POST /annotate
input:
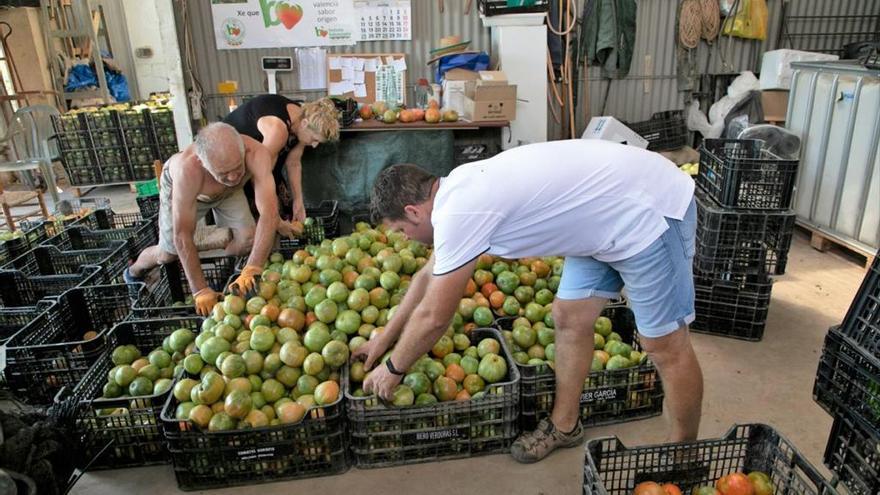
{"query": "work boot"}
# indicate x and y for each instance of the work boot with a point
(535, 445)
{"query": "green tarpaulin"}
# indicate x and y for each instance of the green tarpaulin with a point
(345, 171)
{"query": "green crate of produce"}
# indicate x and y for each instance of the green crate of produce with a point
(147, 188)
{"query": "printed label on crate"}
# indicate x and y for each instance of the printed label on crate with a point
(258, 453)
(435, 435)
(602, 394)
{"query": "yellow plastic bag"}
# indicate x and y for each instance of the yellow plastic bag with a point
(750, 20)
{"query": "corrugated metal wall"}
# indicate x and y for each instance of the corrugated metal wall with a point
(650, 87)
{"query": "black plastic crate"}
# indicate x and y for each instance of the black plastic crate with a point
(848, 380)
(73, 140)
(166, 151)
(148, 205)
(20, 290)
(4, 253)
(168, 289)
(380, 436)
(162, 117)
(740, 241)
(665, 131)
(141, 232)
(326, 226)
(103, 120)
(731, 306)
(501, 7)
(14, 319)
(81, 166)
(611, 468)
(609, 396)
(52, 350)
(853, 454)
(117, 241)
(33, 234)
(205, 460)
(131, 426)
(115, 167)
(81, 210)
(110, 255)
(862, 321)
(69, 122)
(739, 173)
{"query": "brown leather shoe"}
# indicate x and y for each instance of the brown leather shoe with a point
(535, 445)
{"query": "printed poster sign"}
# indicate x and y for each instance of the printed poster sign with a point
(283, 23)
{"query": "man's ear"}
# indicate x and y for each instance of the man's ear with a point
(303, 124)
(412, 212)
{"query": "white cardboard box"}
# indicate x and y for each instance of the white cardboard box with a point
(776, 66)
(454, 88)
(611, 129)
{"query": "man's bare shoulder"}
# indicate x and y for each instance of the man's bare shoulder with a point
(186, 169)
(257, 158)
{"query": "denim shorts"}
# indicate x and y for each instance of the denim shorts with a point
(659, 280)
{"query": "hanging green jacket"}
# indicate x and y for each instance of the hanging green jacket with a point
(609, 35)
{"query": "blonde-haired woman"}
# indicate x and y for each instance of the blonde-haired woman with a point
(286, 127)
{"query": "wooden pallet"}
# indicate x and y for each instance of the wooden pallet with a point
(822, 241)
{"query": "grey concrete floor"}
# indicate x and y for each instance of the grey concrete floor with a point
(768, 382)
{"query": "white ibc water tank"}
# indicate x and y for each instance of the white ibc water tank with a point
(835, 108)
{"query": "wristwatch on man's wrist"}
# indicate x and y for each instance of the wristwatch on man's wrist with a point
(392, 369)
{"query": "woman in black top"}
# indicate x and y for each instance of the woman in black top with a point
(286, 127)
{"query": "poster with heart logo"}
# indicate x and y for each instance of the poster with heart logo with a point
(242, 24)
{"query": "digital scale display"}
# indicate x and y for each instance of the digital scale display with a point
(277, 63)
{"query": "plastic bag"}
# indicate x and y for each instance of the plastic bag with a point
(750, 21)
(713, 127)
(697, 121)
(470, 61)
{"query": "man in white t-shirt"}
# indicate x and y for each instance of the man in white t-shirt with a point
(620, 216)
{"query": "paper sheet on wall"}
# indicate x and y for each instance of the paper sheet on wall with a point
(335, 63)
(358, 77)
(358, 64)
(388, 85)
(310, 66)
(347, 73)
(340, 88)
(360, 90)
(399, 64)
(370, 65)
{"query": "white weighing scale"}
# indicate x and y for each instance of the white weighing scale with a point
(271, 65)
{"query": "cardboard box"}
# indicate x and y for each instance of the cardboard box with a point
(775, 105)
(492, 78)
(490, 98)
(454, 88)
(776, 66)
(611, 129)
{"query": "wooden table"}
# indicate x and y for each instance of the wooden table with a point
(461, 125)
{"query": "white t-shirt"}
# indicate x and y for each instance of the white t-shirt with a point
(580, 197)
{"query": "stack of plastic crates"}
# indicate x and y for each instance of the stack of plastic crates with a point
(744, 229)
(111, 145)
(848, 387)
(58, 346)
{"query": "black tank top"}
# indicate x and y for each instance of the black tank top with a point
(245, 117)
